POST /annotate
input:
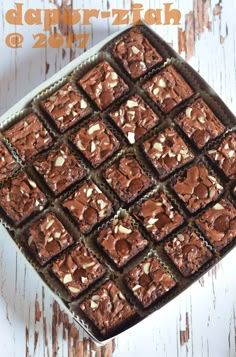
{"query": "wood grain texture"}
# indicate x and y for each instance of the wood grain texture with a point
(200, 322)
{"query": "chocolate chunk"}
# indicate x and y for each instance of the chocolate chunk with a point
(59, 168)
(103, 85)
(107, 308)
(47, 238)
(188, 252)
(134, 117)
(96, 142)
(20, 197)
(127, 178)
(197, 187)
(66, 107)
(199, 123)
(28, 137)
(167, 151)
(88, 205)
(77, 269)
(168, 88)
(149, 281)
(121, 240)
(158, 216)
(225, 155)
(218, 224)
(136, 53)
(7, 163)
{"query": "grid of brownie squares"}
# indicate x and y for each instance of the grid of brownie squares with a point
(83, 160)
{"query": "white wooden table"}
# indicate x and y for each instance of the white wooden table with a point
(202, 321)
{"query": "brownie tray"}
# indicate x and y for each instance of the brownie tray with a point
(117, 181)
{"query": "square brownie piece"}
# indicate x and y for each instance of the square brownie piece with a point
(167, 151)
(47, 238)
(149, 281)
(188, 252)
(7, 163)
(199, 123)
(103, 85)
(59, 168)
(28, 137)
(168, 88)
(158, 216)
(77, 269)
(197, 187)
(121, 240)
(20, 197)
(88, 205)
(96, 141)
(107, 308)
(218, 224)
(127, 178)
(225, 155)
(66, 107)
(134, 118)
(135, 53)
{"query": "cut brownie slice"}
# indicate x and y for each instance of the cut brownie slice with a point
(218, 224)
(47, 238)
(20, 197)
(167, 152)
(127, 178)
(59, 168)
(66, 107)
(225, 155)
(107, 308)
(96, 141)
(28, 137)
(168, 88)
(103, 85)
(77, 269)
(149, 281)
(158, 216)
(7, 163)
(188, 252)
(134, 118)
(121, 240)
(88, 205)
(197, 187)
(135, 53)
(199, 123)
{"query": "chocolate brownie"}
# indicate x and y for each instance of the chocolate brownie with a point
(28, 137)
(199, 123)
(225, 155)
(121, 240)
(158, 216)
(149, 281)
(135, 53)
(47, 238)
(218, 224)
(88, 205)
(66, 107)
(77, 269)
(96, 141)
(103, 85)
(127, 178)
(134, 118)
(168, 88)
(107, 308)
(20, 197)
(59, 168)
(167, 151)
(7, 163)
(197, 187)
(188, 252)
